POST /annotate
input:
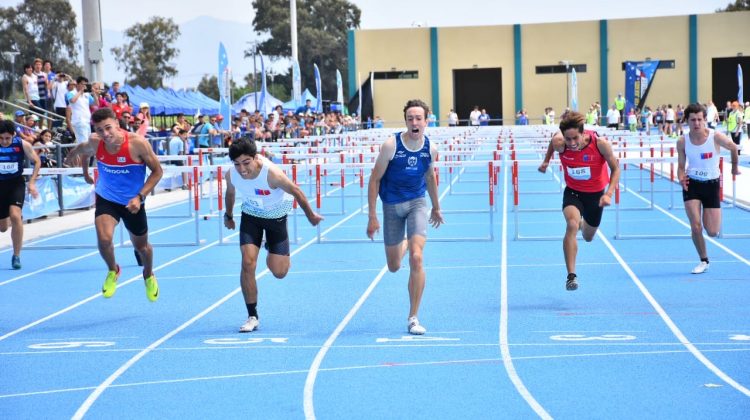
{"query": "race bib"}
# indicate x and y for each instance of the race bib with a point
(581, 174)
(697, 173)
(8, 167)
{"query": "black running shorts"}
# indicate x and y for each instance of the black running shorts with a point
(134, 223)
(586, 203)
(12, 193)
(705, 191)
(277, 238)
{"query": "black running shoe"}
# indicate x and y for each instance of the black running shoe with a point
(571, 283)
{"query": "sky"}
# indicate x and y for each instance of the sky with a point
(381, 14)
(385, 14)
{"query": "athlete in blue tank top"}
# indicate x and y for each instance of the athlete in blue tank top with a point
(12, 185)
(403, 172)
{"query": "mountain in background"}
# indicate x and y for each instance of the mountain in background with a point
(199, 49)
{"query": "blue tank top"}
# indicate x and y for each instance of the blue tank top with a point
(120, 177)
(404, 178)
(11, 159)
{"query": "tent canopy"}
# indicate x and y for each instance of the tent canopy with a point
(171, 102)
(247, 102)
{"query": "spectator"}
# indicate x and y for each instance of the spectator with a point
(22, 130)
(522, 117)
(712, 115)
(474, 116)
(59, 90)
(80, 109)
(121, 106)
(178, 146)
(144, 112)
(305, 109)
(620, 106)
(432, 119)
(452, 118)
(30, 86)
(484, 118)
(44, 139)
(379, 121)
(613, 118)
(114, 89)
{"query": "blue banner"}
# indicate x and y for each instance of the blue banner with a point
(638, 78)
(740, 93)
(225, 96)
(319, 105)
(77, 194)
(45, 203)
(265, 109)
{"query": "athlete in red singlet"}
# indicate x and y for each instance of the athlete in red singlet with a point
(584, 157)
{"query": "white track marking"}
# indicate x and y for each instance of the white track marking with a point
(504, 345)
(83, 409)
(667, 320)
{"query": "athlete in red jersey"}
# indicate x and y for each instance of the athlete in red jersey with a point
(584, 157)
(121, 190)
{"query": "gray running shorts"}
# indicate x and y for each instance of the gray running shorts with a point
(411, 215)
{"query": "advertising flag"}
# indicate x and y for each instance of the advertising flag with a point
(639, 75)
(224, 80)
(319, 105)
(740, 93)
(339, 88)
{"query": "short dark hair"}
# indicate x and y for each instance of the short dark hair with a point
(82, 79)
(7, 127)
(102, 114)
(242, 147)
(572, 119)
(417, 103)
(694, 109)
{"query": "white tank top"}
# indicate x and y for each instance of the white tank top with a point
(259, 199)
(703, 160)
(32, 86)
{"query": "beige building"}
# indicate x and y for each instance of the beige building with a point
(509, 67)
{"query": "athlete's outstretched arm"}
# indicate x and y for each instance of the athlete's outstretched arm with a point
(278, 179)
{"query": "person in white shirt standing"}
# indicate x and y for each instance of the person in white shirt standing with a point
(701, 179)
(474, 116)
(80, 109)
(613, 118)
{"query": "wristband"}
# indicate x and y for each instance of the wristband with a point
(142, 197)
(228, 216)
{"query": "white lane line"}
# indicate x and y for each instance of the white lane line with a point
(667, 320)
(708, 238)
(307, 394)
(83, 409)
(504, 345)
(98, 295)
(62, 263)
(346, 368)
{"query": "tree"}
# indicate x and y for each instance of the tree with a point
(737, 6)
(38, 28)
(146, 57)
(321, 37)
(209, 86)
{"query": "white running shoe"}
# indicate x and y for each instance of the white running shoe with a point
(701, 268)
(414, 327)
(251, 324)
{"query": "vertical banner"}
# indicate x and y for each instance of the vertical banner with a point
(296, 85)
(339, 88)
(319, 105)
(574, 90)
(740, 93)
(638, 78)
(262, 103)
(224, 80)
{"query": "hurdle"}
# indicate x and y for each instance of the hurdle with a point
(490, 210)
(122, 242)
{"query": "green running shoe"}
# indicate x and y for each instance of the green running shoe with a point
(110, 283)
(152, 288)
